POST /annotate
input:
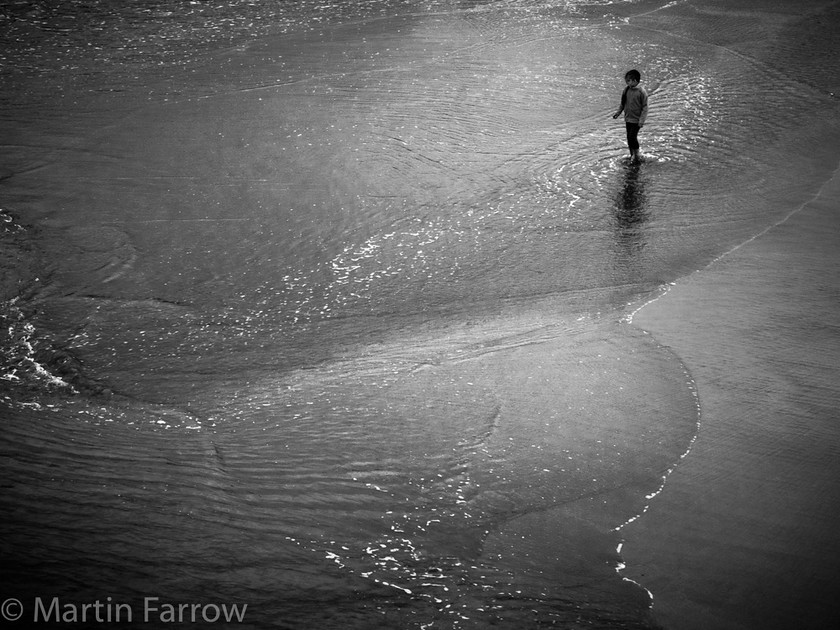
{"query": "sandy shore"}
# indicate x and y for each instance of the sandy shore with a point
(744, 534)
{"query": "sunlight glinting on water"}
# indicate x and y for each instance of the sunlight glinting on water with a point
(333, 300)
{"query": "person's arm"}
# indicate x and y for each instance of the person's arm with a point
(623, 103)
(643, 115)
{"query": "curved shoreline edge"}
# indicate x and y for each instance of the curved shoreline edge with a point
(738, 536)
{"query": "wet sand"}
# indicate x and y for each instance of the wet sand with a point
(738, 539)
(744, 533)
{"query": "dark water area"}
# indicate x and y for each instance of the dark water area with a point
(322, 308)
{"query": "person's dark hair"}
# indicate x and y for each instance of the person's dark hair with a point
(633, 74)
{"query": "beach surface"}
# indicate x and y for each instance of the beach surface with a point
(743, 535)
(356, 312)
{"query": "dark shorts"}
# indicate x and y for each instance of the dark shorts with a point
(633, 136)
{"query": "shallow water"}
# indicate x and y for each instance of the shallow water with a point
(341, 293)
(753, 510)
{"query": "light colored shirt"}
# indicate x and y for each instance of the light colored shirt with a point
(635, 105)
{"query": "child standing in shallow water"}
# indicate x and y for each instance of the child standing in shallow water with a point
(634, 104)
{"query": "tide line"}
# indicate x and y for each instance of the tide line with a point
(204, 220)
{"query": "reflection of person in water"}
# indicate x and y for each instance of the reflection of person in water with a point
(630, 208)
(631, 202)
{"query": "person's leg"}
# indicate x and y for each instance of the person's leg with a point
(633, 138)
